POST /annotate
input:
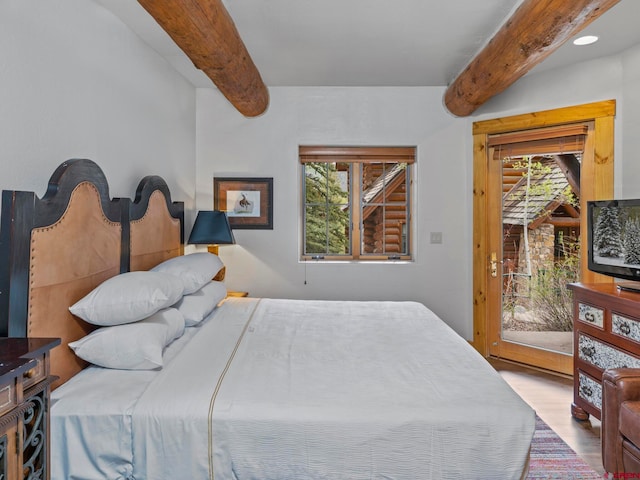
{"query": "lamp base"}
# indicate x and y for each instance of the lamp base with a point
(220, 275)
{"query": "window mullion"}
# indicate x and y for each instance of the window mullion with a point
(327, 207)
(356, 210)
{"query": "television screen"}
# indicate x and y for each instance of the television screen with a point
(614, 238)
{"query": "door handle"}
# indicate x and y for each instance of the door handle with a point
(494, 264)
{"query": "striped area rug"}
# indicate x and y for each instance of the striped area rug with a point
(552, 458)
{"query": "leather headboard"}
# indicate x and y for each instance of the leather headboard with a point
(55, 250)
(68, 260)
(155, 224)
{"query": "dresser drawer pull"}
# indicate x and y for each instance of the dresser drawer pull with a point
(586, 390)
(589, 317)
(588, 351)
(625, 328)
(29, 373)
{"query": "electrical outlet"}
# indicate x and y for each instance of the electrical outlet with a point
(436, 237)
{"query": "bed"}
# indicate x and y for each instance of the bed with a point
(259, 388)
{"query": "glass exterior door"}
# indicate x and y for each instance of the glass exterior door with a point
(540, 252)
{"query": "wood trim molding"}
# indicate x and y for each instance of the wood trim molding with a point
(205, 32)
(480, 244)
(535, 30)
(546, 118)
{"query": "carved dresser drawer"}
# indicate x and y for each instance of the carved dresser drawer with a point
(606, 326)
(590, 390)
(8, 396)
(590, 314)
(626, 327)
(24, 400)
(35, 374)
(603, 355)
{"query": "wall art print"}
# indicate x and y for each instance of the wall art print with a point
(248, 201)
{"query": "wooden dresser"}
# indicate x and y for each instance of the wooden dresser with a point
(606, 328)
(24, 407)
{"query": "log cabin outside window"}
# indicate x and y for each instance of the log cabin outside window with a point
(356, 202)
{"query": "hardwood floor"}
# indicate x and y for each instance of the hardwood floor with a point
(551, 396)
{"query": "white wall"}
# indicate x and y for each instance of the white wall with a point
(76, 82)
(266, 262)
(629, 129)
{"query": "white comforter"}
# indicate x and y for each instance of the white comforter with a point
(286, 389)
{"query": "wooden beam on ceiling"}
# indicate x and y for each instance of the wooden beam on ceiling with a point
(535, 30)
(205, 32)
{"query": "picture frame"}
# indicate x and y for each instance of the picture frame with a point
(248, 201)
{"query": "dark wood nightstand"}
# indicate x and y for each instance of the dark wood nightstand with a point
(24, 407)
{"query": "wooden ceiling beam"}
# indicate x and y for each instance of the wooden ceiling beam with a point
(205, 32)
(535, 30)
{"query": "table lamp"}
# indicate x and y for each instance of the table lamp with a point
(211, 228)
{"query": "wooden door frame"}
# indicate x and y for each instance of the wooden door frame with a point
(596, 183)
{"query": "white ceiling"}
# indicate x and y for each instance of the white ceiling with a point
(373, 42)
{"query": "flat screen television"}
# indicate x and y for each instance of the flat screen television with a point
(613, 229)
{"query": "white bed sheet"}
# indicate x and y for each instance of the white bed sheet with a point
(91, 437)
(308, 390)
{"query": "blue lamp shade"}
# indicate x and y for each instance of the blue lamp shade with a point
(211, 227)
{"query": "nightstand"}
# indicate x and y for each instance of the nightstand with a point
(237, 294)
(24, 407)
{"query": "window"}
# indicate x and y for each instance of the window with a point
(356, 202)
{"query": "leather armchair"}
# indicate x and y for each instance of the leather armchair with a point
(620, 429)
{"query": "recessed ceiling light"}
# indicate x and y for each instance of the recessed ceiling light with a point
(586, 40)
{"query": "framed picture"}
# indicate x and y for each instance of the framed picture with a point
(247, 201)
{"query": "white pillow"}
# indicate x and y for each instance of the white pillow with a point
(133, 346)
(195, 269)
(128, 297)
(198, 305)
